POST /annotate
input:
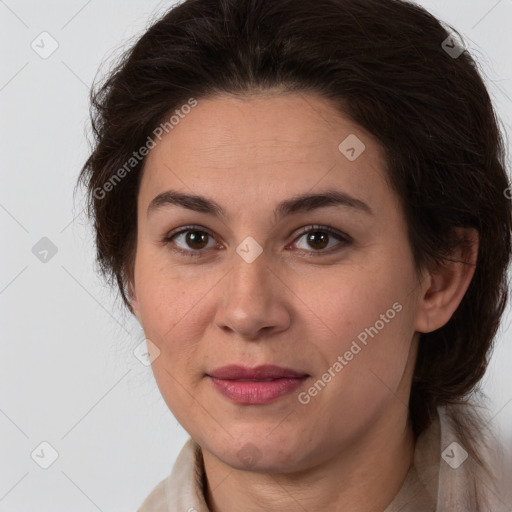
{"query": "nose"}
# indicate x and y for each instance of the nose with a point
(255, 300)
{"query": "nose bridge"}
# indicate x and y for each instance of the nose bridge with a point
(250, 299)
(249, 278)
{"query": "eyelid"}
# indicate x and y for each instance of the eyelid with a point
(319, 227)
(192, 227)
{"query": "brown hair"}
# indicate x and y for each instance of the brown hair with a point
(385, 64)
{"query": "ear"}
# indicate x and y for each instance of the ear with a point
(445, 285)
(132, 297)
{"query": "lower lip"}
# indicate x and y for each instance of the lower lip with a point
(256, 392)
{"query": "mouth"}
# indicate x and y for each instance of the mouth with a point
(255, 386)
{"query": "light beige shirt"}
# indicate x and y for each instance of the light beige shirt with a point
(441, 478)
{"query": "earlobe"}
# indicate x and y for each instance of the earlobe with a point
(447, 283)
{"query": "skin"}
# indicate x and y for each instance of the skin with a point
(292, 306)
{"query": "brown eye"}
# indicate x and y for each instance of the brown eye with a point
(189, 240)
(196, 239)
(318, 238)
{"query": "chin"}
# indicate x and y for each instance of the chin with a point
(260, 454)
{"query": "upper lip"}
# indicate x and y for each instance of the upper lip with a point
(267, 371)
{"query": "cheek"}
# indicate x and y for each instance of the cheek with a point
(347, 300)
(163, 290)
(173, 302)
(370, 318)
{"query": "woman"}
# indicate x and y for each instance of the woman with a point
(304, 204)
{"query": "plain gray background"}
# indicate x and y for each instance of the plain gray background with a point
(69, 375)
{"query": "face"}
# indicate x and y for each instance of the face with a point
(324, 286)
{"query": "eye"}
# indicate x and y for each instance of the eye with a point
(318, 237)
(193, 238)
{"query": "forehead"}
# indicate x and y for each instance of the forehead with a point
(282, 143)
(294, 124)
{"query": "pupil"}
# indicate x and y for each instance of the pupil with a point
(323, 236)
(194, 239)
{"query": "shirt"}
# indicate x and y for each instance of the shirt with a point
(442, 478)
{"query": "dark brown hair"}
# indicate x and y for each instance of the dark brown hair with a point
(387, 65)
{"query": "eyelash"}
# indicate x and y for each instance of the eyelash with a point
(344, 239)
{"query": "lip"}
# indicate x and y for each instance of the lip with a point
(257, 386)
(266, 371)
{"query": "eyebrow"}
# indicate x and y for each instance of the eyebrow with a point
(296, 204)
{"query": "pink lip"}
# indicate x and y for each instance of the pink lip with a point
(249, 385)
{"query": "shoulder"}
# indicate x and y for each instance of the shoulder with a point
(156, 501)
(183, 488)
(473, 465)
